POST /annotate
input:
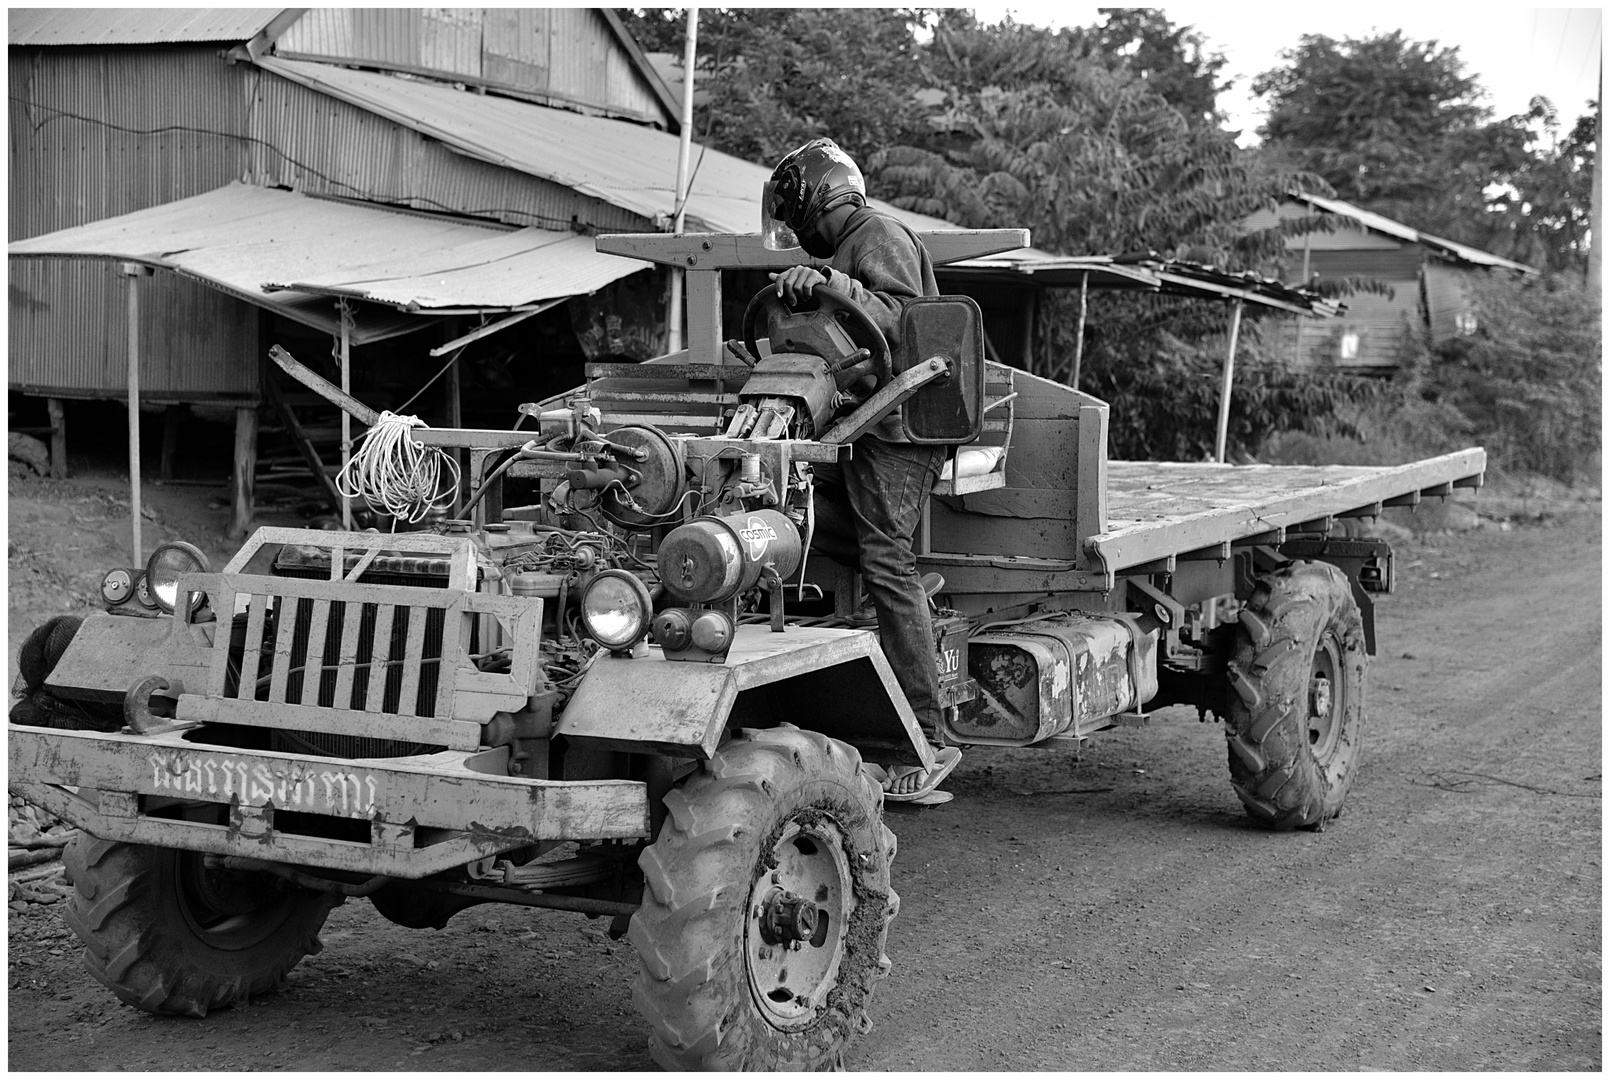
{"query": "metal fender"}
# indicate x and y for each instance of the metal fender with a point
(110, 653)
(822, 679)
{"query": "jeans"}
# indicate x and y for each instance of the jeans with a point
(867, 524)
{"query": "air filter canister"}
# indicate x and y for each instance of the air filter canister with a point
(711, 559)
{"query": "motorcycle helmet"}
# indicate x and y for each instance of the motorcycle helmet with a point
(806, 184)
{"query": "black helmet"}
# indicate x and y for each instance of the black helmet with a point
(811, 181)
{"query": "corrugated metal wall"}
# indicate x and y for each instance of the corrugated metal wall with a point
(94, 134)
(568, 52)
(323, 146)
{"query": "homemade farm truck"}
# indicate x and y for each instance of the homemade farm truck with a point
(639, 697)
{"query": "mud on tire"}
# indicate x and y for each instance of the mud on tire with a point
(773, 810)
(169, 936)
(1297, 703)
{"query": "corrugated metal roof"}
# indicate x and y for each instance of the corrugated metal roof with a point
(252, 241)
(1388, 227)
(1149, 274)
(133, 26)
(626, 165)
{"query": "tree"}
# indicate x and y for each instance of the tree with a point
(1168, 58)
(1369, 114)
(777, 77)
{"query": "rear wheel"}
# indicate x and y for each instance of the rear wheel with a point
(766, 907)
(168, 934)
(1296, 720)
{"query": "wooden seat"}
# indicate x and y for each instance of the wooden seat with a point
(387, 662)
(995, 439)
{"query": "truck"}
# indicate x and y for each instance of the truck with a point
(639, 696)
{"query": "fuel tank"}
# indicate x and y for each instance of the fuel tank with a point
(711, 559)
(1062, 674)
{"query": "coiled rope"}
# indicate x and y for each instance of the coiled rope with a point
(397, 474)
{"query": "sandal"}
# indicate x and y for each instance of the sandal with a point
(945, 761)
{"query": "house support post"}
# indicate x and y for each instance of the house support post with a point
(242, 492)
(58, 438)
(1224, 386)
(135, 272)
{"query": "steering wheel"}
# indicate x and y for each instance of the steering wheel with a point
(767, 307)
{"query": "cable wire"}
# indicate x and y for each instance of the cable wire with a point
(397, 474)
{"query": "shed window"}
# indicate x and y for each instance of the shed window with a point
(1465, 322)
(1350, 345)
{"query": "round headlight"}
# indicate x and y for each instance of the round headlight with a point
(616, 609)
(166, 564)
(116, 586)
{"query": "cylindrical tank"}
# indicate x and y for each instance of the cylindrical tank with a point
(711, 559)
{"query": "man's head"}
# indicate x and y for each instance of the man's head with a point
(809, 183)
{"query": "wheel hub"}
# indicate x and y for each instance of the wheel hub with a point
(788, 918)
(799, 910)
(1326, 699)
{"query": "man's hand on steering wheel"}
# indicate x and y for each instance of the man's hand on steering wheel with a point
(797, 282)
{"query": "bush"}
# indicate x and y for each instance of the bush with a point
(1158, 362)
(1529, 381)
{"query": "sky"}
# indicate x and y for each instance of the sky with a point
(1515, 52)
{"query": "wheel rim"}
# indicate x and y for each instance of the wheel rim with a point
(1327, 698)
(799, 910)
(227, 909)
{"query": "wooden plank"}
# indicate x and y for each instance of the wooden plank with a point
(413, 651)
(704, 314)
(284, 633)
(313, 664)
(347, 655)
(375, 688)
(224, 605)
(728, 251)
(1090, 502)
(734, 375)
(453, 734)
(252, 654)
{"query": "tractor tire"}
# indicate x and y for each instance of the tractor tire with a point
(735, 974)
(169, 936)
(1296, 710)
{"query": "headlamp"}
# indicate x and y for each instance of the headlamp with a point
(167, 563)
(616, 609)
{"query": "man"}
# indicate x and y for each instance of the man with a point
(880, 264)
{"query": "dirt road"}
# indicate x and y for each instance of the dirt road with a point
(1101, 911)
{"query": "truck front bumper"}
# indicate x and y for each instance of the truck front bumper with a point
(423, 814)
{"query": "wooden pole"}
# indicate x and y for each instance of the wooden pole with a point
(135, 272)
(1031, 298)
(242, 494)
(346, 388)
(1079, 335)
(1297, 358)
(673, 314)
(58, 438)
(1224, 387)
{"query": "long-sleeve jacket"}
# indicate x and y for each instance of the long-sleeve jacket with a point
(881, 264)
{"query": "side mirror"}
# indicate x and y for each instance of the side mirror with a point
(949, 411)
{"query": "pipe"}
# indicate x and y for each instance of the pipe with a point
(1224, 387)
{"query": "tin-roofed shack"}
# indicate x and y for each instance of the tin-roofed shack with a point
(1424, 275)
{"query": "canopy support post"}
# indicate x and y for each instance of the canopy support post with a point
(1079, 334)
(346, 421)
(1224, 386)
(135, 271)
(684, 150)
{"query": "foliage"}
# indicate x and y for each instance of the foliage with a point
(777, 77)
(1163, 382)
(1394, 126)
(1529, 382)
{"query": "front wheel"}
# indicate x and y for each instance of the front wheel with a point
(766, 907)
(1296, 716)
(168, 934)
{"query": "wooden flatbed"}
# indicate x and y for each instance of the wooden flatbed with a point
(1161, 509)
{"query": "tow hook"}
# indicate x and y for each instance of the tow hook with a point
(137, 712)
(786, 918)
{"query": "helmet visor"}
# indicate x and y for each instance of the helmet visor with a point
(775, 233)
